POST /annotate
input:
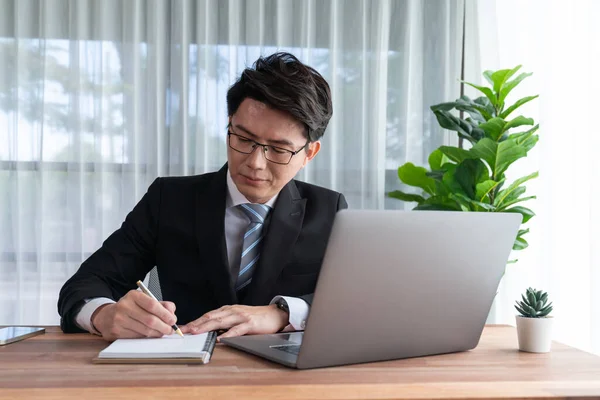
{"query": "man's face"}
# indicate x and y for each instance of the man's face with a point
(255, 177)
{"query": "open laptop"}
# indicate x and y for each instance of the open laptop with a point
(397, 284)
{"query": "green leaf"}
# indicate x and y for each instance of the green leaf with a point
(476, 132)
(462, 104)
(521, 311)
(416, 176)
(506, 89)
(500, 199)
(485, 107)
(525, 212)
(529, 143)
(523, 136)
(546, 312)
(469, 173)
(526, 139)
(488, 76)
(437, 175)
(548, 307)
(499, 156)
(466, 130)
(486, 149)
(510, 203)
(483, 189)
(485, 90)
(523, 232)
(441, 189)
(479, 111)
(531, 298)
(512, 261)
(438, 203)
(530, 310)
(519, 121)
(435, 159)
(508, 193)
(455, 154)
(449, 180)
(471, 204)
(520, 244)
(508, 153)
(397, 194)
(517, 104)
(501, 76)
(493, 128)
(463, 201)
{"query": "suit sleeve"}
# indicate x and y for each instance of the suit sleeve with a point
(342, 204)
(126, 255)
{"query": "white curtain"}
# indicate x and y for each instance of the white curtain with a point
(559, 42)
(97, 98)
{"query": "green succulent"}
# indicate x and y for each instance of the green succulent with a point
(534, 304)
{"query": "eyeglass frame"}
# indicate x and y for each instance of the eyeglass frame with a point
(264, 146)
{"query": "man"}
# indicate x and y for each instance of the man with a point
(237, 250)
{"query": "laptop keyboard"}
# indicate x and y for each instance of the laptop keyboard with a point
(288, 348)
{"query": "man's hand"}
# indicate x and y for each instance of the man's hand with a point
(240, 320)
(135, 315)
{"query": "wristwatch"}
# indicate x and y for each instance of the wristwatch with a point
(282, 305)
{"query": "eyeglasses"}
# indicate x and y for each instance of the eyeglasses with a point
(274, 154)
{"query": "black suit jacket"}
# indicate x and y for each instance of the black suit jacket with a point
(178, 226)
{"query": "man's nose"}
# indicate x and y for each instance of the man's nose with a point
(257, 159)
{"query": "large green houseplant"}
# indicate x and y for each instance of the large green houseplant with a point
(473, 179)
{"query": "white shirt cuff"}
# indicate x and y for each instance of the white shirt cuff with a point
(84, 316)
(299, 310)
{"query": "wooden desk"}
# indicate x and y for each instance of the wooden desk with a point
(58, 366)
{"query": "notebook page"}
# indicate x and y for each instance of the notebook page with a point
(169, 346)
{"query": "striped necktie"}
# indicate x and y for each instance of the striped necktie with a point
(257, 213)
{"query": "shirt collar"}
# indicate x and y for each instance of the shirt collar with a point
(235, 197)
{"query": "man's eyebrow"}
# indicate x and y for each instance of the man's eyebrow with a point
(283, 142)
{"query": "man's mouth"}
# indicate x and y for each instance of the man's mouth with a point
(252, 179)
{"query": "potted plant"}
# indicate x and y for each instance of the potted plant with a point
(534, 326)
(473, 179)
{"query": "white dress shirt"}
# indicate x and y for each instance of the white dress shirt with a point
(236, 223)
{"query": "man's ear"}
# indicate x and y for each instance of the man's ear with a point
(311, 152)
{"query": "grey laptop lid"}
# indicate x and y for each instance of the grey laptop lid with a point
(398, 284)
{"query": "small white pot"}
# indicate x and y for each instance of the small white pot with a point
(535, 334)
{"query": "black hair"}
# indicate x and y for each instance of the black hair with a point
(284, 83)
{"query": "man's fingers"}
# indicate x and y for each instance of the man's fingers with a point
(218, 323)
(148, 319)
(169, 305)
(141, 329)
(237, 330)
(185, 328)
(215, 320)
(121, 333)
(154, 307)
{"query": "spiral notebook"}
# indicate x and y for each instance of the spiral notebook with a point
(170, 349)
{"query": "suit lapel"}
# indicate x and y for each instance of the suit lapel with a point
(283, 231)
(210, 231)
